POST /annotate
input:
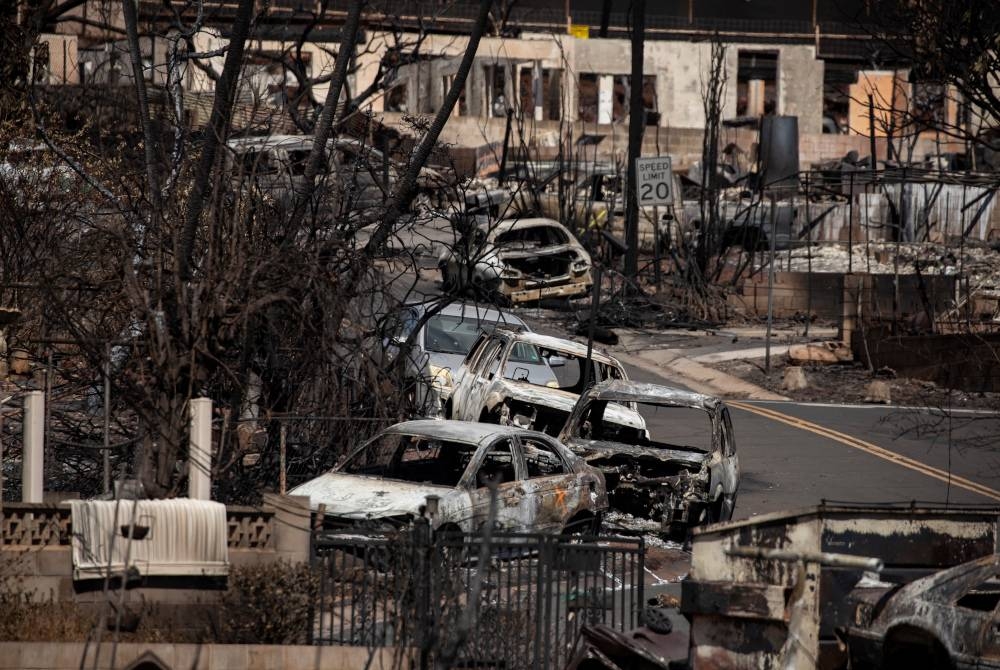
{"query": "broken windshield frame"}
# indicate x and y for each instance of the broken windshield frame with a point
(570, 374)
(691, 428)
(411, 458)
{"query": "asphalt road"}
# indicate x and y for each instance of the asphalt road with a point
(796, 455)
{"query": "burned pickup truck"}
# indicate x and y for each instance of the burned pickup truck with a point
(687, 477)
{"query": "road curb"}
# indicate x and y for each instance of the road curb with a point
(700, 378)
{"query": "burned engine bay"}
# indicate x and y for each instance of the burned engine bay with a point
(648, 487)
(685, 476)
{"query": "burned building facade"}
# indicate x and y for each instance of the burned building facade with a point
(553, 66)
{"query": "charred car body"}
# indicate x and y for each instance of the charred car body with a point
(503, 380)
(518, 260)
(439, 346)
(688, 479)
(949, 619)
(383, 485)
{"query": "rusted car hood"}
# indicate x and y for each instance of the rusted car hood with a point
(596, 449)
(562, 400)
(360, 497)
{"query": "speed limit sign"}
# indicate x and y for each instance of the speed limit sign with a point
(654, 181)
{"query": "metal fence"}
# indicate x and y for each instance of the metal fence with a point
(415, 591)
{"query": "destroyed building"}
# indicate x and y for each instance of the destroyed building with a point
(557, 68)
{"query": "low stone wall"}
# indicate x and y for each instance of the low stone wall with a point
(35, 542)
(75, 655)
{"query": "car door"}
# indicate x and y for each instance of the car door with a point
(551, 487)
(466, 374)
(727, 470)
(497, 462)
(485, 372)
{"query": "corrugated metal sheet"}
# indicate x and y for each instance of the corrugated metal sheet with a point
(184, 537)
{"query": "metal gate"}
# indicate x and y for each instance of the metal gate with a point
(414, 590)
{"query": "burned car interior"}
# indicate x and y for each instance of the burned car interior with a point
(570, 370)
(411, 458)
(596, 427)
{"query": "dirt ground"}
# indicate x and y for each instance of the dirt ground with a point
(846, 384)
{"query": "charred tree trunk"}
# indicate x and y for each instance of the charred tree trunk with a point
(324, 127)
(636, 124)
(149, 139)
(708, 200)
(400, 200)
(218, 128)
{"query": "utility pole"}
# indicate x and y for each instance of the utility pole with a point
(636, 122)
(605, 18)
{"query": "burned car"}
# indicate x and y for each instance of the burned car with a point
(518, 260)
(541, 485)
(950, 619)
(440, 345)
(530, 380)
(685, 476)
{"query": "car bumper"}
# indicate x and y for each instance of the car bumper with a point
(539, 292)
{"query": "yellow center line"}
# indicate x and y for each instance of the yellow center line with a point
(870, 448)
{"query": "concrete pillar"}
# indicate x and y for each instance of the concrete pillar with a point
(33, 459)
(755, 97)
(538, 90)
(200, 450)
(605, 98)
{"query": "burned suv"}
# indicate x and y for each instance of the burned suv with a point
(518, 260)
(530, 380)
(686, 477)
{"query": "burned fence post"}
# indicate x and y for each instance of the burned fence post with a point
(595, 306)
(770, 289)
(282, 458)
(809, 265)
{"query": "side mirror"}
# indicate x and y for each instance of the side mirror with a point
(556, 361)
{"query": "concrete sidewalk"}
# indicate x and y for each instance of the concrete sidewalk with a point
(684, 356)
(674, 364)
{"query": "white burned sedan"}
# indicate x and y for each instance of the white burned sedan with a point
(541, 485)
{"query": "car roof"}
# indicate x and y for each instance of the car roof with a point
(549, 342)
(458, 431)
(476, 311)
(619, 390)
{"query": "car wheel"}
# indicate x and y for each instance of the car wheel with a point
(913, 649)
(582, 524)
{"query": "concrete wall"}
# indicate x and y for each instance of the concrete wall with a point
(75, 655)
(874, 293)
